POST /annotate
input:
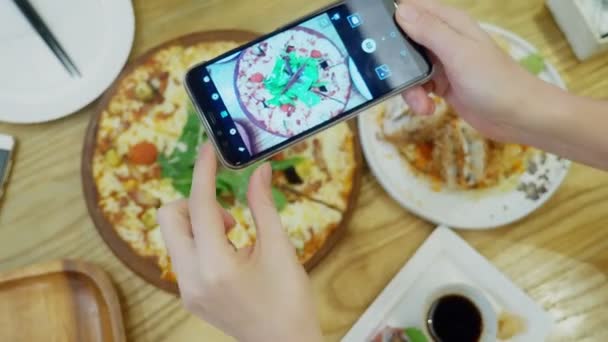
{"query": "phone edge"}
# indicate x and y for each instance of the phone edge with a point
(266, 156)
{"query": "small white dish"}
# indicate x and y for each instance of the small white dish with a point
(465, 209)
(34, 86)
(445, 259)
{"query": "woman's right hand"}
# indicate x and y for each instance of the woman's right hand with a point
(485, 86)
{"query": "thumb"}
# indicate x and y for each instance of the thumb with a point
(270, 232)
(427, 29)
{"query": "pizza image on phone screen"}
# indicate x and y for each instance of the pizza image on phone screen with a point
(288, 84)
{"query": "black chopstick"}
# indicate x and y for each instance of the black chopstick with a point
(38, 24)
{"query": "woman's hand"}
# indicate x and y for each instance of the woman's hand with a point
(490, 91)
(483, 84)
(256, 294)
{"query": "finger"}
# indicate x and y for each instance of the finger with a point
(440, 80)
(270, 233)
(176, 230)
(428, 29)
(245, 252)
(457, 19)
(419, 101)
(229, 220)
(429, 87)
(205, 213)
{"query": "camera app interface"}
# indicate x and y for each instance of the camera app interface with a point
(278, 89)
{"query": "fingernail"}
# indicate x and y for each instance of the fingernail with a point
(408, 13)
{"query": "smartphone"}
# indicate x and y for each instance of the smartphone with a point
(275, 91)
(7, 144)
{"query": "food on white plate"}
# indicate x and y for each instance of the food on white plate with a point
(448, 151)
(510, 325)
(389, 334)
(147, 140)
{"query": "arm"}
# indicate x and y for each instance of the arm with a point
(570, 126)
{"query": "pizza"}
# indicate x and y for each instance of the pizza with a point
(324, 173)
(284, 83)
(144, 145)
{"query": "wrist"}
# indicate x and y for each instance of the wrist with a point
(567, 125)
(545, 111)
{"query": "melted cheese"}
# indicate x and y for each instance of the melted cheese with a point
(302, 220)
(109, 184)
(161, 189)
(156, 242)
(337, 150)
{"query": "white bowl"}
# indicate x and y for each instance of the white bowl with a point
(464, 209)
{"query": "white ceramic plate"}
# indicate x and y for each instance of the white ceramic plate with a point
(483, 209)
(443, 260)
(34, 86)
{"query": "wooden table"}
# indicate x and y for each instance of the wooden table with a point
(559, 255)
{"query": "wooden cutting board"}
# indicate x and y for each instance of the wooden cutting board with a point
(59, 301)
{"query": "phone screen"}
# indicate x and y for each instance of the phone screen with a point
(284, 86)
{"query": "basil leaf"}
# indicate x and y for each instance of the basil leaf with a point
(183, 187)
(282, 165)
(222, 188)
(238, 182)
(280, 200)
(179, 166)
(292, 78)
(534, 63)
(415, 335)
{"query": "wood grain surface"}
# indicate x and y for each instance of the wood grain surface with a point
(559, 255)
(65, 300)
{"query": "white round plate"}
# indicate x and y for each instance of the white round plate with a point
(483, 209)
(34, 86)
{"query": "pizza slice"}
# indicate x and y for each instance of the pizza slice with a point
(308, 225)
(325, 169)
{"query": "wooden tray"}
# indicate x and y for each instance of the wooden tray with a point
(59, 301)
(146, 267)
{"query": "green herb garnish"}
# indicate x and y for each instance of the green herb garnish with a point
(534, 63)
(293, 78)
(236, 183)
(282, 165)
(415, 335)
(179, 167)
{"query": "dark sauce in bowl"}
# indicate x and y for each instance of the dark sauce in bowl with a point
(454, 318)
